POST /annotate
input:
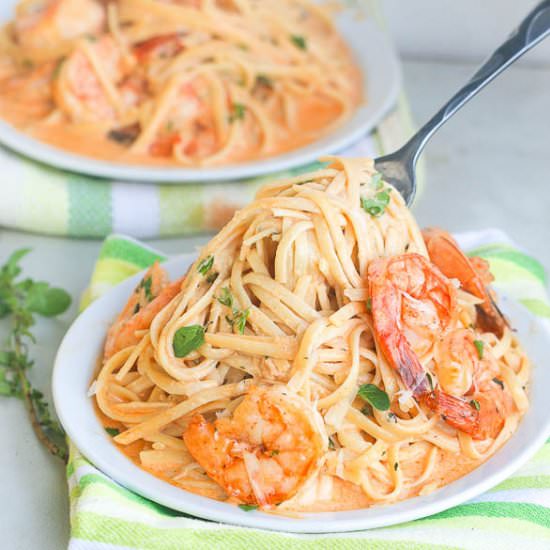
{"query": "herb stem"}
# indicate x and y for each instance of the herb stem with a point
(39, 431)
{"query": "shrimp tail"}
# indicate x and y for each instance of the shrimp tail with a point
(490, 318)
(455, 411)
(473, 274)
(409, 368)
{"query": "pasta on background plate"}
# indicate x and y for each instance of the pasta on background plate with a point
(176, 82)
(321, 354)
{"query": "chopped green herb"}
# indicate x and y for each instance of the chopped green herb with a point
(113, 432)
(392, 417)
(146, 285)
(475, 404)
(299, 41)
(264, 80)
(369, 304)
(274, 452)
(237, 112)
(239, 320)
(212, 276)
(367, 410)
(205, 265)
(375, 396)
(331, 445)
(248, 507)
(430, 380)
(376, 181)
(499, 382)
(396, 466)
(225, 298)
(188, 339)
(376, 206)
(479, 344)
(137, 307)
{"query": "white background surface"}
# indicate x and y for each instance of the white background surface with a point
(490, 166)
(457, 29)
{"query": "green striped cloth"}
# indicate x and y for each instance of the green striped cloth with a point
(513, 515)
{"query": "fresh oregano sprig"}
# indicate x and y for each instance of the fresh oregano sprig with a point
(21, 299)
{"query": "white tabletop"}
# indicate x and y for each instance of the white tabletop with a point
(489, 167)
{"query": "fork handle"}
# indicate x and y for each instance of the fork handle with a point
(534, 28)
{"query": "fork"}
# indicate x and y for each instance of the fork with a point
(398, 168)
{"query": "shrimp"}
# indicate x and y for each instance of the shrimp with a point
(46, 29)
(462, 372)
(189, 125)
(80, 92)
(413, 303)
(266, 452)
(473, 274)
(150, 296)
(411, 300)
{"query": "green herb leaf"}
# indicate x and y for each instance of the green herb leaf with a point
(47, 301)
(331, 445)
(239, 320)
(499, 382)
(248, 507)
(475, 404)
(205, 265)
(369, 304)
(396, 466)
(11, 267)
(274, 452)
(188, 339)
(212, 276)
(430, 380)
(299, 41)
(375, 396)
(377, 205)
(146, 285)
(225, 298)
(238, 111)
(479, 344)
(113, 432)
(264, 80)
(367, 410)
(376, 181)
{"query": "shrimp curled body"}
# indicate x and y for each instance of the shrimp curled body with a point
(265, 452)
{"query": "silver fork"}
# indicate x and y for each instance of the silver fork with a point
(398, 168)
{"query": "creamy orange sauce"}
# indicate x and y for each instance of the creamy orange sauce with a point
(345, 495)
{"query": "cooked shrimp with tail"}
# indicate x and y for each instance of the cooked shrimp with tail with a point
(414, 310)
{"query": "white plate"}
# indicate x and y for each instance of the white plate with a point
(83, 343)
(381, 80)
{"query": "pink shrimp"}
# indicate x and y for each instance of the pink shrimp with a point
(150, 296)
(414, 304)
(46, 29)
(411, 301)
(263, 454)
(473, 274)
(78, 89)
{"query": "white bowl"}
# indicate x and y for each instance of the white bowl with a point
(75, 364)
(381, 80)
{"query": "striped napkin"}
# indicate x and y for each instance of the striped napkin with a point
(513, 515)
